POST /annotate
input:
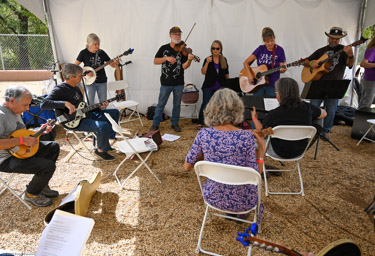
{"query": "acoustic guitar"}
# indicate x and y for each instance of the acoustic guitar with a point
(91, 79)
(71, 121)
(342, 247)
(308, 73)
(23, 151)
(260, 74)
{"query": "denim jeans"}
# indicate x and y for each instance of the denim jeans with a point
(207, 95)
(368, 94)
(330, 107)
(101, 88)
(42, 165)
(266, 90)
(165, 91)
(98, 123)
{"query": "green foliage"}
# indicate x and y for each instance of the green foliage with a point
(15, 19)
(368, 33)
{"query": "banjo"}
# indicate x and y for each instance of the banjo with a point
(86, 70)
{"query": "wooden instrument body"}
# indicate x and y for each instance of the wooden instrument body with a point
(245, 85)
(308, 74)
(24, 151)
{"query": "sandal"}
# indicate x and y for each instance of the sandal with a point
(199, 126)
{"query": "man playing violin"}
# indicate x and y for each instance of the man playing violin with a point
(173, 63)
(42, 164)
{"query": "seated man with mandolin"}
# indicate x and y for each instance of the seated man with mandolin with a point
(14, 138)
(328, 63)
(67, 100)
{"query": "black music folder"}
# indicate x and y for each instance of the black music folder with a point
(325, 89)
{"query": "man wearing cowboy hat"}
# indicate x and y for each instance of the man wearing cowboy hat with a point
(336, 71)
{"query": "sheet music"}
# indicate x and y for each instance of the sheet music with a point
(66, 234)
(170, 137)
(270, 103)
(70, 197)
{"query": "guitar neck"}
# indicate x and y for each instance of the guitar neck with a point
(97, 105)
(274, 247)
(41, 130)
(268, 72)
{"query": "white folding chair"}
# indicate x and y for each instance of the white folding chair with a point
(131, 147)
(5, 185)
(86, 140)
(231, 175)
(289, 133)
(371, 122)
(127, 105)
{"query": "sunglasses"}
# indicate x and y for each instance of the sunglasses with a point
(217, 49)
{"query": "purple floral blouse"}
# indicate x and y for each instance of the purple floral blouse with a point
(227, 147)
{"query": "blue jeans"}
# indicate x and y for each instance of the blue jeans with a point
(207, 94)
(368, 93)
(330, 107)
(165, 91)
(266, 90)
(96, 122)
(101, 88)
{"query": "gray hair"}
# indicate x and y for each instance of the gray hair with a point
(16, 92)
(225, 106)
(92, 38)
(288, 91)
(71, 69)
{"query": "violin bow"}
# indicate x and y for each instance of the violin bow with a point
(190, 32)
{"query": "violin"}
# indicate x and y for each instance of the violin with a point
(181, 47)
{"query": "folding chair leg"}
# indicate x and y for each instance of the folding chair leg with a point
(19, 196)
(78, 147)
(364, 136)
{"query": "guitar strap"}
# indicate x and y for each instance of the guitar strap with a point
(273, 56)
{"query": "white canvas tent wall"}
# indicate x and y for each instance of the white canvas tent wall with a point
(299, 26)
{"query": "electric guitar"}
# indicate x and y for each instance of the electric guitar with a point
(71, 121)
(308, 73)
(91, 79)
(260, 74)
(22, 151)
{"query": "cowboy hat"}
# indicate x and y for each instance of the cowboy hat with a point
(336, 33)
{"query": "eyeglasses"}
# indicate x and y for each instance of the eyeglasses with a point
(217, 49)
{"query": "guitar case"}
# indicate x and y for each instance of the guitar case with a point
(342, 247)
(82, 195)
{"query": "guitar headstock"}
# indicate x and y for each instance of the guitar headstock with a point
(129, 51)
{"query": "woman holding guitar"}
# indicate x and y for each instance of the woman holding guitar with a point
(94, 57)
(215, 69)
(270, 55)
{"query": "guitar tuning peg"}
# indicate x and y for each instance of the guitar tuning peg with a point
(276, 249)
(269, 248)
(262, 245)
(256, 243)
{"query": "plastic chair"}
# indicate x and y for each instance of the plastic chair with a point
(5, 185)
(231, 175)
(132, 147)
(290, 133)
(371, 122)
(128, 104)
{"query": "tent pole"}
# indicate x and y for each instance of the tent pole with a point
(51, 34)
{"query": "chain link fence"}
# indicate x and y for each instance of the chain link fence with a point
(25, 52)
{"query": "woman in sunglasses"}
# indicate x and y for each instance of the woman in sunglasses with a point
(215, 69)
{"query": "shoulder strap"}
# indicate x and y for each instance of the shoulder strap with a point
(273, 56)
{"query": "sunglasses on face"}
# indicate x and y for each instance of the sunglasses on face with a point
(214, 48)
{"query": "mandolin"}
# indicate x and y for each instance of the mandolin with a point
(308, 73)
(23, 151)
(91, 79)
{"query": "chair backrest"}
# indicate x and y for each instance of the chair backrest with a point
(293, 132)
(115, 126)
(228, 174)
(118, 85)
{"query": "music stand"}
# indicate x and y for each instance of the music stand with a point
(325, 89)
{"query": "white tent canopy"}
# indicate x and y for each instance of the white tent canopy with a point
(299, 26)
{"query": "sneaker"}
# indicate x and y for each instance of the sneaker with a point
(176, 127)
(104, 155)
(38, 200)
(48, 192)
(112, 149)
(154, 128)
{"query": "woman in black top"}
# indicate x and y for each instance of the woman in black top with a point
(215, 69)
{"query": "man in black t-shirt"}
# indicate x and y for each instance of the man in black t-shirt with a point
(173, 65)
(336, 70)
